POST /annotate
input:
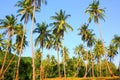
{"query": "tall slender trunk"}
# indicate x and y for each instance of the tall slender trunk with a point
(92, 65)
(97, 68)
(41, 68)
(106, 72)
(86, 66)
(58, 63)
(119, 63)
(111, 73)
(6, 52)
(18, 65)
(64, 60)
(100, 68)
(20, 53)
(31, 42)
(85, 72)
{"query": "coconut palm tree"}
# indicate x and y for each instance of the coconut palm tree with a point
(88, 37)
(8, 24)
(42, 39)
(90, 43)
(26, 11)
(84, 36)
(116, 42)
(60, 26)
(19, 31)
(112, 51)
(96, 14)
(36, 4)
(56, 46)
(83, 32)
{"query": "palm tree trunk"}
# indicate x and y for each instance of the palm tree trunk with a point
(85, 73)
(119, 63)
(100, 68)
(6, 52)
(1, 70)
(21, 49)
(97, 68)
(92, 65)
(58, 63)
(111, 73)
(18, 65)
(41, 68)
(9, 64)
(86, 67)
(31, 42)
(64, 60)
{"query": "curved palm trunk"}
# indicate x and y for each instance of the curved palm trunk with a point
(6, 52)
(19, 55)
(58, 63)
(111, 73)
(31, 42)
(64, 60)
(9, 64)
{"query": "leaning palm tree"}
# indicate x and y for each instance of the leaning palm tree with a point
(18, 32)
(8, 24)
(96, 14)
(26, 11)
(43, 37)
(19, 36)
(60, 26)
(116, 42)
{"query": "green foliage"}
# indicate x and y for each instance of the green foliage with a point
(48, 38)
(50, 68)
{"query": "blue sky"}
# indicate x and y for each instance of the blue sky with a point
(76, 8)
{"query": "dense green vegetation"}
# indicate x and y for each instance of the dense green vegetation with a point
(50, 68)
(92, 58)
